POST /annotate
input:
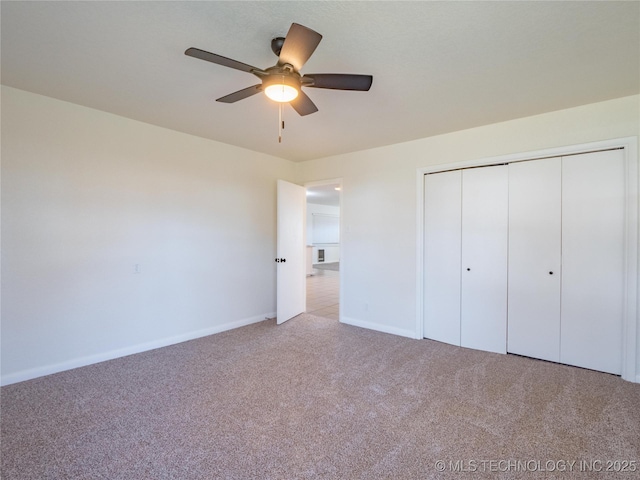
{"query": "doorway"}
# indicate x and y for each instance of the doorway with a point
(323, 248)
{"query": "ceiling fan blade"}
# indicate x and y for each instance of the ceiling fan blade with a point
(241, 94)
(299, 45)
(303, 104)
(220, 60)
(338, 81)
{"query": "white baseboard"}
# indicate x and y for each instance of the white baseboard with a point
(36, 372)
(378, 327)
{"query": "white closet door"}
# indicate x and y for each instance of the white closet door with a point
(535, 226)
(483, 316)
(593, 260)
(443, 192)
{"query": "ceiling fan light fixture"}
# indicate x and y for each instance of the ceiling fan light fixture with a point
(281, 88)
(283, 82)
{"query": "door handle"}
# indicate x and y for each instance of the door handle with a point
(281, 260)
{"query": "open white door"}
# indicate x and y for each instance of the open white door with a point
(291, 292)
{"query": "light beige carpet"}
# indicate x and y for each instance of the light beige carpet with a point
(313, 398)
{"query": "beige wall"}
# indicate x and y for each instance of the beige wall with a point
(86, 196)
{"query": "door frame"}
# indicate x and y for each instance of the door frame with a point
(334, 181)
(630, 146)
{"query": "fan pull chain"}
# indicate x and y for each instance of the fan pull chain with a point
(280, 124)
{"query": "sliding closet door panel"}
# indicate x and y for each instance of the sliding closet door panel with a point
(442, 256)
(593, 260)
(534, 258)
(484, 258)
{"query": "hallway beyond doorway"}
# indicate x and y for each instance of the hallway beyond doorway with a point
(323, 293)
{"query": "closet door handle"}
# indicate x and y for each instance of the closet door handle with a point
(550, 273)
(468, 269)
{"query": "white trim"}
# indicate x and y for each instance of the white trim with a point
(626, 142)
(630, 325)
(377, 327)
(319, 183)
(632, 296)
(123, 352)
(420, 255)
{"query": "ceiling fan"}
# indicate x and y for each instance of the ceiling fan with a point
(283, 82)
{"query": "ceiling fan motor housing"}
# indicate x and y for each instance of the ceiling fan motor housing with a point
(281, 78)
(276, 45)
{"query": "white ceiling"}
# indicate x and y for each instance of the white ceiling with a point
(437, 66)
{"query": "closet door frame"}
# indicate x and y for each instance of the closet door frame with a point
(631, 293)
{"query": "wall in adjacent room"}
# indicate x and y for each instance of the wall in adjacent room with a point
(379, 199)
(119, 236)
(331, 250)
